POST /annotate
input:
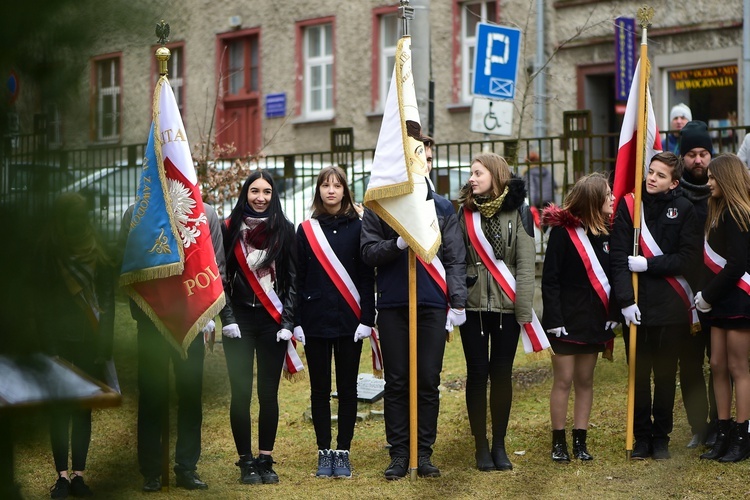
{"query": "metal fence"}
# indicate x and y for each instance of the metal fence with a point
(31, 174)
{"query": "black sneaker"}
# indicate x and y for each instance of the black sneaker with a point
(660, 450)
(426, 468)
(78, 488)
(248, 470)
(641, 450)
(151, 484)
(341, 465)
(265, 469)
(190, 480)
(325, 464)
(61, 488)
(397, 468)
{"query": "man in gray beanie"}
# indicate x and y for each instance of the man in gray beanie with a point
(678, 118)
(696, 149)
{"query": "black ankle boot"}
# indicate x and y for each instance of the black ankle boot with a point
(739, 444)
(559, 446)
(499, 456)
(579, 445)
(484, 459)
(721, 444)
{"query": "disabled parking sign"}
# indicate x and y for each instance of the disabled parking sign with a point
(496, 61)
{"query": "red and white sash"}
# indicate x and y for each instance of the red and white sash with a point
(437, 272)
(341, 279)
(651, 249)
(272, 303)
(716, 263)
(594, 269)
(532, 334)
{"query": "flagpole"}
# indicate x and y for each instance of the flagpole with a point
(162, 55)
(406, 13)
(644, 19)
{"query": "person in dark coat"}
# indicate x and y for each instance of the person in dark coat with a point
(576, 315)
(154, 354)
(726, 301)
(260, 250)
(75, 317)
(329, 324)
(383, 248)
(696, 148)
(662, 314)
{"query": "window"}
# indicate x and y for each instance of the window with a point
(471, 13)
(317, 70)
(107, 97)
(176, 75)
(389, 32)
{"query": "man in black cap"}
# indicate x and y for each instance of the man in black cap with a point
(696, 150)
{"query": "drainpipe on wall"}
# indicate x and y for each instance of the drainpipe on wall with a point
(540, 83)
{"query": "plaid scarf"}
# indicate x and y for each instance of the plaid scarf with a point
(490, 208)
(253, 238)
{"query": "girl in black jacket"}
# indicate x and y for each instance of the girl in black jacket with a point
(259, 247)
(576, 304)
(330, 324)
(726, 300)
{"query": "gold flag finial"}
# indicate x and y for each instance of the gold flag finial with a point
(162, 53)
(645, 14)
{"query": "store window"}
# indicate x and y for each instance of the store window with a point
(710, 92)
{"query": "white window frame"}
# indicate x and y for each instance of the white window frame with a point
(469, 42)
(113, 91)
(386, 51)
(320, 61)
(176, 77)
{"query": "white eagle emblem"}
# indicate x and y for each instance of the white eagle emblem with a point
(182, 208)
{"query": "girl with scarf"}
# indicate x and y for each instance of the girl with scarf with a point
(259, 247)
(75, 315)
(575, 292)
(490, 334)
(330, 326)
(725, 300)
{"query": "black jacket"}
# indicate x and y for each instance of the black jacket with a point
(721, 291)
(568, 296)
(379, 249)
(322, 310)
(672, 222)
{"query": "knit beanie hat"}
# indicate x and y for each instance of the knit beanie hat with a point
(680, 110)
(695, 135)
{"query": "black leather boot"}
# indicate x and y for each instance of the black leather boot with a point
(579, 445)
(499, 456)
(721, 444)
(484, 459)
(739, 444)
(559, 446)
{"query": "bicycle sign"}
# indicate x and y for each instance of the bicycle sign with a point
(489, 116)
(496, 61)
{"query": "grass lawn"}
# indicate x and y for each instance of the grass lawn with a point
(112, 470)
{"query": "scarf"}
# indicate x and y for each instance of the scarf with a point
(253, 235)
(489, 208)
(694, 192)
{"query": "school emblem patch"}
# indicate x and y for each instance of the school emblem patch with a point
(605, 246)
(672, 212)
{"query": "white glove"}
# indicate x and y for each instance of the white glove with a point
(299, 335)
(401, 243)
(209, 333)
(632, 314)
(457, 317)
(283, 334)
(637, 264)
(231, 331)
(363, 331)
(701, 304)
(611, 325)
(557, 332)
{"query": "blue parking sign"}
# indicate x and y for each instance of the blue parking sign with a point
(496, 61)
